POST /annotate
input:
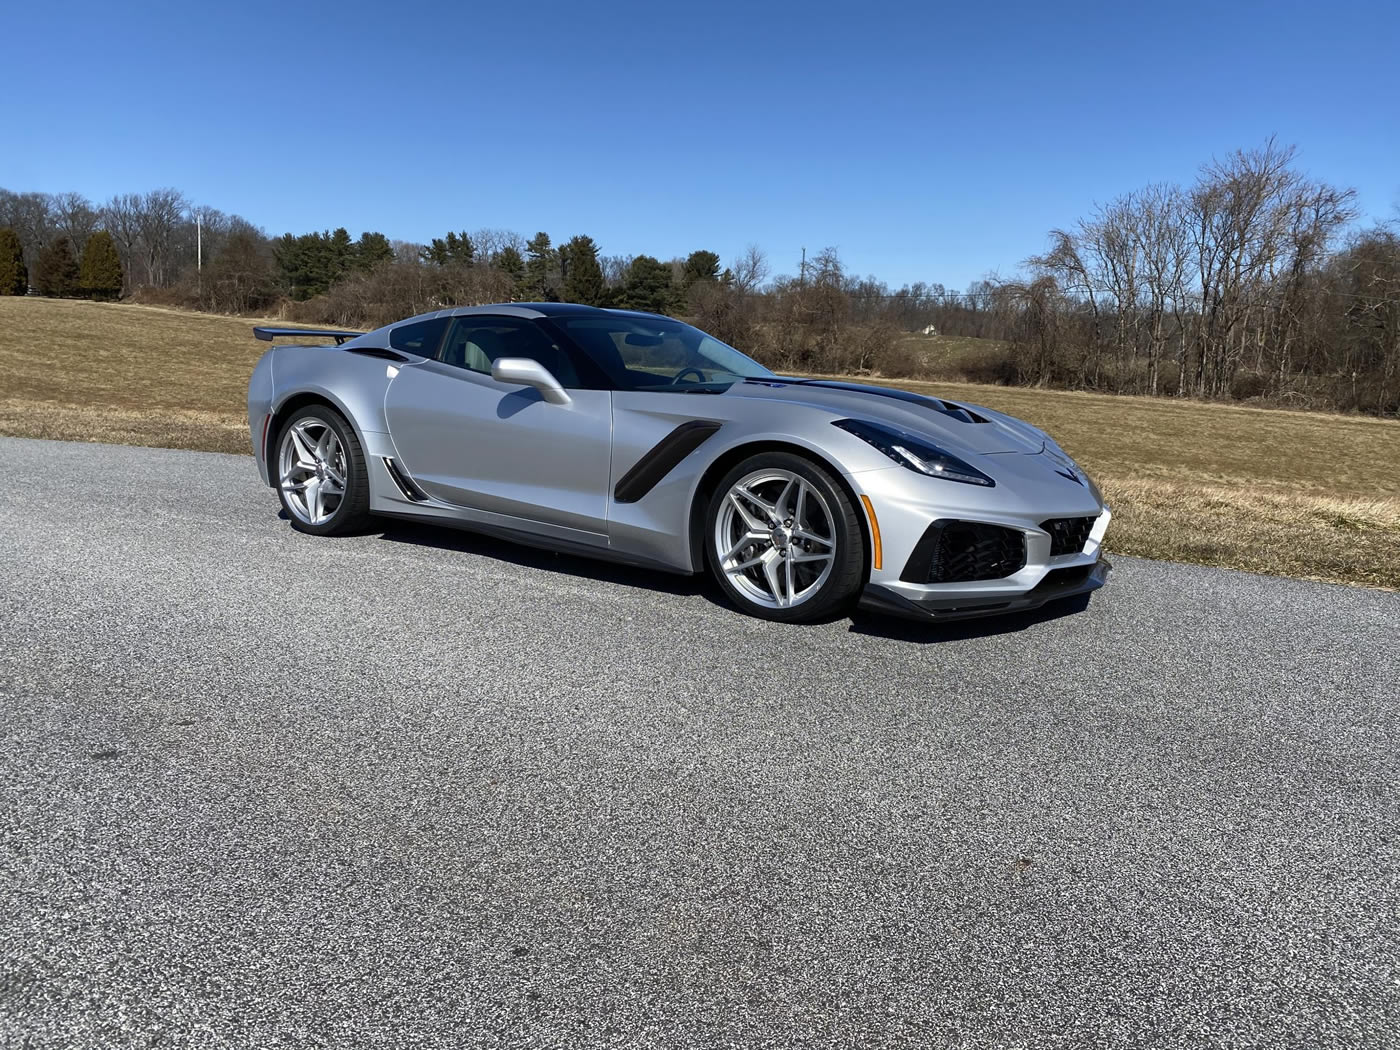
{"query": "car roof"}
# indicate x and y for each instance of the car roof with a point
(526, 310)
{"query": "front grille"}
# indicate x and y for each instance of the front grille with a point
(962, 551)
(1068, 535)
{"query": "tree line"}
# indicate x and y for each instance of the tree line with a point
(1252, 283)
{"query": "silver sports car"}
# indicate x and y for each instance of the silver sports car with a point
(636, 437)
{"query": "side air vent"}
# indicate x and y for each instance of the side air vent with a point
(963, 551)
(405, 484)
(377, 351)
(1067, 535)
(661, 458)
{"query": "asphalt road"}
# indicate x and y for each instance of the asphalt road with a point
(423, 789)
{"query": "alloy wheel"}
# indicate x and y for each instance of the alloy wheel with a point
(312, 470)
(774, 538)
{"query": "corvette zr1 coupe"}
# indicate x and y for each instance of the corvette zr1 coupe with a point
(639, 438)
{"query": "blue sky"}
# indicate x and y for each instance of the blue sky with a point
(926, 142)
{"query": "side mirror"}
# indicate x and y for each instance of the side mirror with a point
(528, 372)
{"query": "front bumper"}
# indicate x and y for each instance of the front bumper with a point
(933, 605)
(906, 506)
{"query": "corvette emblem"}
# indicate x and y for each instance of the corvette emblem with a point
(1071, 475)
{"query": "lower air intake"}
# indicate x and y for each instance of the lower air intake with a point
(962, 551)
(1068, 535)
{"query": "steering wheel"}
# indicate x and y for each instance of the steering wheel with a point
(699, 375)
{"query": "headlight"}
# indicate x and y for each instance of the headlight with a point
(915, 453)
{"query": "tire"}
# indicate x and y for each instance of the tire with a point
(812, 551)
(316, 445)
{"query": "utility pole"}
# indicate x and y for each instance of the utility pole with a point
(199, 250)
(802, 281)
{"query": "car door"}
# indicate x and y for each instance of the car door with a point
(498, 447)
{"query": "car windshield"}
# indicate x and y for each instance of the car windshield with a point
(657, 353)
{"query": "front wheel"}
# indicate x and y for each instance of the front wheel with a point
(321, 476)
(784, 540)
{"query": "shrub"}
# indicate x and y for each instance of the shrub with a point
(995, 364)
(900, 359)
(57, 271)
(100, 273)
(14, 278)
(1247, 385)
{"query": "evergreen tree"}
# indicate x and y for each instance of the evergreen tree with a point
(57, 271)
(541, 266)
(371, 250)
(455, 248)
(647, 285)
(583, 277)
(100, 272)
(311, 263)
(700, 266)
(510, 262)
(14, 278)
(340, 255)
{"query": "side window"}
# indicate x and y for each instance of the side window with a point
(420, 337)
(477, 340)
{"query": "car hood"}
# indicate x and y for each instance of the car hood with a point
(957, 427)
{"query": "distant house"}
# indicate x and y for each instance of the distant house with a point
(930, 330)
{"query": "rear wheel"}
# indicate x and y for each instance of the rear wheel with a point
(784, 540)
(321, 477)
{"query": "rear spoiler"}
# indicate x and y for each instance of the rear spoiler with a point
(267, 335)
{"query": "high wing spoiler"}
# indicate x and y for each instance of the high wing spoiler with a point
(267, 335)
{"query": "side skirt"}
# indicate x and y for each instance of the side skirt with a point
(544, 543)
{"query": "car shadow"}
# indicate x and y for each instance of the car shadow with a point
(879, 625)
(466, 542)
(875, 625)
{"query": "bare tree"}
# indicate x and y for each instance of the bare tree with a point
(749, 270)
(1164, 250)
(491, 242)
(158, 219)
(75, 216)
(121, 218)
(31, 217)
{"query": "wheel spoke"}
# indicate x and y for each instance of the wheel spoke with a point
(306, 456)
(334, 474)
(800, 509)
(758, 501)
(743, 566)
(745, 540)
(295, 486)
(313, 500)
(806, 556)
(782, 500)
(750, 522)
(787, 574)
(811, 537)
(770, 571)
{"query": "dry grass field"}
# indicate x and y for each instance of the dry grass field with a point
(1287, 493)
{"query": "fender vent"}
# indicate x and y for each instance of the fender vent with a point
(406, 484)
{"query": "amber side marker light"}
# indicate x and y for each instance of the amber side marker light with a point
(874, 528)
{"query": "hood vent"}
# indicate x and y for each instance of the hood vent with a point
(947, 408)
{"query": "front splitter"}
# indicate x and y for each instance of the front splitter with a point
(883, 600)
